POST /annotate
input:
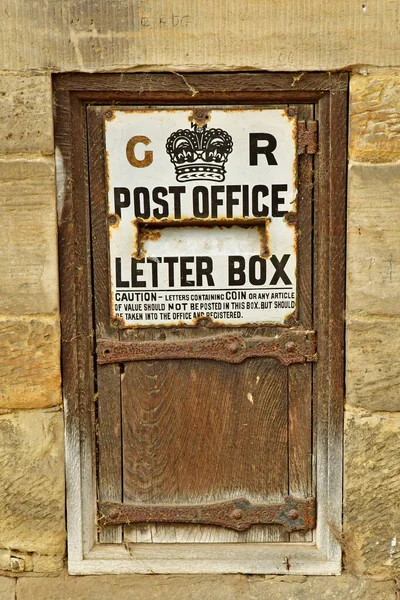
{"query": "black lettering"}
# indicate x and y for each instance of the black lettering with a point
(154, 270)
(171, 261)
(245, 200)
(141, 201)
(185, 271)
(118, 202)
(279, 269)
(177, 191)
(230, 200)
(135, 273)
(260, 278)
(120, 283)
(236, 274)
(200, 190)
(215, 200)
(276, 200)
(204, 268)
(267, 150)
(263, 190)
(164, 211)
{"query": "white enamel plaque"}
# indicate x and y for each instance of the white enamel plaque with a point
(201, 211)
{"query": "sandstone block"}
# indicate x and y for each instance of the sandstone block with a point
(32, 482)
(172, 33)
(30, 365)
(373, 367)
(47, 563)
(375, 116)
(14, 561)
(203, 587)
(371, 494)
(26, 123)
(28, 248)
(373, 255)
(7, 588)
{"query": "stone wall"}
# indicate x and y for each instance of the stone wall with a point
(372, 475)
(32, 527)
(37, 39)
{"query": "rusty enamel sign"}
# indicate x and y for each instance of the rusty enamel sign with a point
(201, 215)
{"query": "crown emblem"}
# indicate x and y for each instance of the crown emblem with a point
(199, 153)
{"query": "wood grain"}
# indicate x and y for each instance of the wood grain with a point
(108, 376)
(203, 431)
(328, 92)
(300, 376)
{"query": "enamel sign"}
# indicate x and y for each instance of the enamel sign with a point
(201, 207)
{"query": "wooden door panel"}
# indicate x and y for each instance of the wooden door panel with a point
(202, 432)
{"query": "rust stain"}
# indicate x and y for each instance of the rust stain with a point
(149, 234)
(307, 137)
(291, 219)
(110, 115)
(264, 235)
(107, 162)
(114, 220)
(291, 319)
(137, 246)
(206, 321)
(200, 222)
(200, 115)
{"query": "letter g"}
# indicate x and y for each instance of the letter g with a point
(130, 152)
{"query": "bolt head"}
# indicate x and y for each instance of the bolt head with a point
(234, 347)
(290, 347)
(113, 514)
(237, 514)
(17, 564)
(293, 515)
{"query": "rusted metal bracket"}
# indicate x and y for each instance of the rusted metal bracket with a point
(240, 514)
(292, 346)
(307, 137)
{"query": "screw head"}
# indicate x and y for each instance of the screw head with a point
(113, 514)
(237, 514)
(290, 347)
(112, 220)
(109, 114)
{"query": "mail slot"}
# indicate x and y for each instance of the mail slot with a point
(207, 295)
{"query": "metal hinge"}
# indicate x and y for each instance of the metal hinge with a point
(307, 137)
(290, 347)
(293, 514)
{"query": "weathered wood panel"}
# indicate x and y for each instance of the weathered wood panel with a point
(108, 376)
(198, 432)
(300, 376)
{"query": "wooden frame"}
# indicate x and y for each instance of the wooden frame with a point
(328, 92)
